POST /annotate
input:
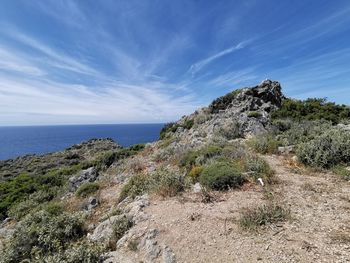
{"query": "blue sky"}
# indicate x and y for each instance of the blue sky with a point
(110, 61)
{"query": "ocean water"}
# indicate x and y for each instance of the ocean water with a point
(17, 141)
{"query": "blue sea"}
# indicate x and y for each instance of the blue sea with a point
(17, 141)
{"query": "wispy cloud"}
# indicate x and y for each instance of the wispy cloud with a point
(236, 77)
(10, 61)
(196, 67)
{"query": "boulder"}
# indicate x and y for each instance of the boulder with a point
(104, 231)
(84, 176)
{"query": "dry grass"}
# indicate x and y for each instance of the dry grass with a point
(260, 216)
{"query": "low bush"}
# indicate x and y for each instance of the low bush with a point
(200, 156)
(303, 131)
(137, 185)
(170, 127)
(120, 227)
(19, 188)
(53, 208)
(235, 151)
(108, 158)
(166, 183)
(162, 182)
(221, 176)
(188, 124)
(80, 252)
(263, 215)
(189, 159)
(21, 209)
(254, 114)
(41, 235)
(195, 173)
(282, 125)
(258, 167)
(86, 189)
(264, 144)
(327, 150)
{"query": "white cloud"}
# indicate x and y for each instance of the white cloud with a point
(202, 63)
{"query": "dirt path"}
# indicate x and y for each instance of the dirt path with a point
(319, 230)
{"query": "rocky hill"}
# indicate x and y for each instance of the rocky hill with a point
(254, 176)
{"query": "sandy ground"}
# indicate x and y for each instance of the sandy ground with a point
(318, 231)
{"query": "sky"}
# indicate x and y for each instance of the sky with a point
(153, 61)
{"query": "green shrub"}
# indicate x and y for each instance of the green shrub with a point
(195, 173)
(166, 183)
(42, 234)
(21, 209)
(80, 252)
(200, 156)
(137, 185)
(221, 176)
(168, 128)
(108, 158)
(327, 150)
(53, 208)
(303, 131)
(120, 227)
(87, 189)
(258, 167)
(161, 182)
(266, 214)
(312, 109)
(254, 114)
(189, 159)
(235, 151)
(282, 124)
(188, 124)
(264, 144)
(21, 187)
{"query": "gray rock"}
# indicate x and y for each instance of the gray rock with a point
(197, 188)
(93, 202)
(152, 249)
(104, 231)
(168, 255)
(286, 149)
(84, 176)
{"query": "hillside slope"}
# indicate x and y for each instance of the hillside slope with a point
(228, 183)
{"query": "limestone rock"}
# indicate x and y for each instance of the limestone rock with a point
(104, 231)
(84, 176)
(168, 255)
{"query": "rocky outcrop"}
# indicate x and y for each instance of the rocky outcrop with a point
(84, 176)
(239, 114)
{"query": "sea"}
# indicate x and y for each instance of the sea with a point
(18, 141)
